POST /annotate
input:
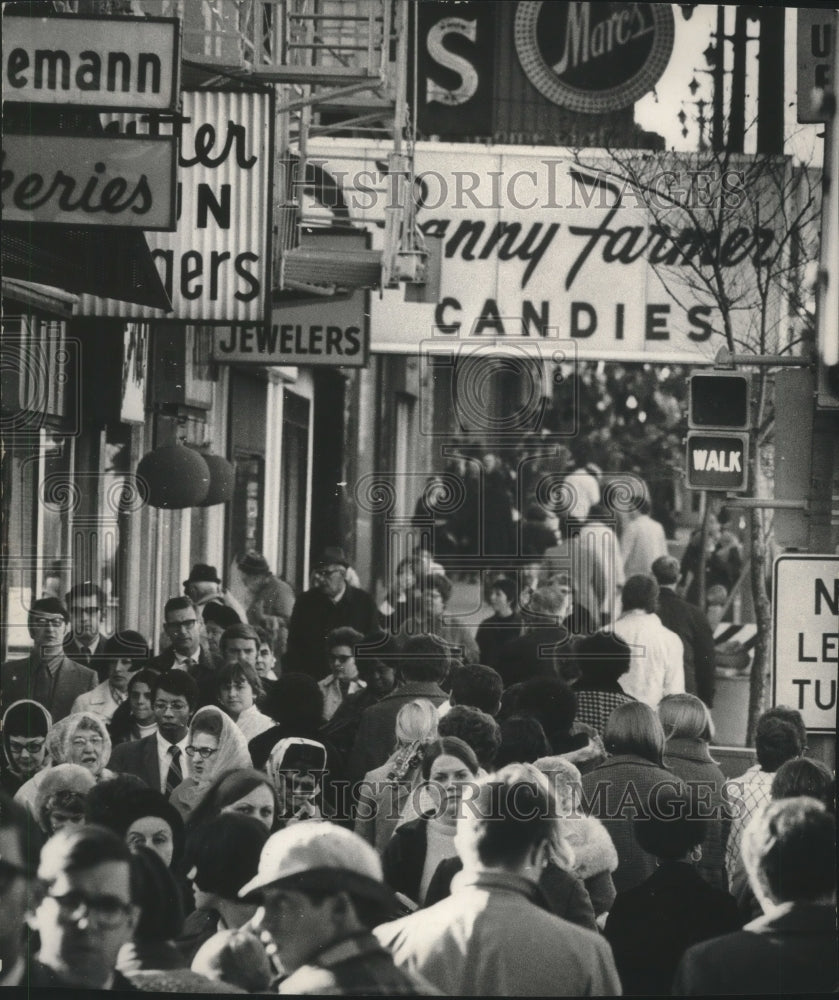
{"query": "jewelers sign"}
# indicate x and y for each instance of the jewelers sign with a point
(538, 244)
(216, 265)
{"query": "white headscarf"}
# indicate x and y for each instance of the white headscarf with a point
(232, 755)
(60, 739)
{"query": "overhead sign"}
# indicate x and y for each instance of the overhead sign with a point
(327, 332)
(90, 180)
(216, 265)
(455, 68)
(594, 57)
(805, 660)
(119, 63)
(532, 241)
(817, 29)
(717, 461)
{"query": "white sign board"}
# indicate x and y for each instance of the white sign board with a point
(817, 31)
(806, 637)
(120, 63)
(216, 265)
(533, 240)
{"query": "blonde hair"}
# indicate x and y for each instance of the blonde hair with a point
(686, 717)
(417, 722)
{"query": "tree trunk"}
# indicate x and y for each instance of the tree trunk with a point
(763, 620)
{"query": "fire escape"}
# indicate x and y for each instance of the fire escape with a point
(339, 67)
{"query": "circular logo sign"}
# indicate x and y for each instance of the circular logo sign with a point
(593, 57)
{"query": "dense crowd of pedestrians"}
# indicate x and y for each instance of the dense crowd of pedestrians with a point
(316, 794)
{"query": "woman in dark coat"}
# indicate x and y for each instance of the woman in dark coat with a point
(688, 730)
(650, 926)
(417, 847)
(626, 785)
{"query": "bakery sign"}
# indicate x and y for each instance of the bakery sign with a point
(593, 58)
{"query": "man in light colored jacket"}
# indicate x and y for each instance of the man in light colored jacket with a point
(490, 937)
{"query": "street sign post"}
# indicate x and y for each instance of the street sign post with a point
(805, 654)
(717, 461)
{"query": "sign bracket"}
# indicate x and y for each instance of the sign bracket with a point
(758, 503)
(725, 359)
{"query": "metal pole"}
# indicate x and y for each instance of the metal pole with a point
(717, 138)
(737, 116)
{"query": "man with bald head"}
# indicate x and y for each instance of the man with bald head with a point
(691, 626)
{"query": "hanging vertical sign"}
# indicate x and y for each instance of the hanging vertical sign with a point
(455, 75)
(216, 266)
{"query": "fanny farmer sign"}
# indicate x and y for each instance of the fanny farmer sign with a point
(537, 243)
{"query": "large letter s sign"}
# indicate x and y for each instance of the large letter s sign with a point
(465, 70)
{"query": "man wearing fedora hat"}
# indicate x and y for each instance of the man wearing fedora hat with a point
(321, 891)
(203, 587)
(329, 604)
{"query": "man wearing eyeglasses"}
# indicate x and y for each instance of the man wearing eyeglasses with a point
(182, 622)
(161, 759)
(46, 675)
(87, 603)
(330, 603)
(86, 911)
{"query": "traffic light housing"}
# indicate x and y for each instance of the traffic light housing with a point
(719, 401)
(719, 415)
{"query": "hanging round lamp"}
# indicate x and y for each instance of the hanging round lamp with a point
(176, 477)
(222, 480)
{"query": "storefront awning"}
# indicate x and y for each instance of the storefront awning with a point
(112, 262)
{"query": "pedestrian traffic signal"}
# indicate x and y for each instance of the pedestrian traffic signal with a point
(719, 400)
(717, 461)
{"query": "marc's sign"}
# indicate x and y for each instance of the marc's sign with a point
(593, 57)
(119, 63)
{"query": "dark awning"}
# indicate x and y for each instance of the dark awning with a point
(112, 262)
(107, 261)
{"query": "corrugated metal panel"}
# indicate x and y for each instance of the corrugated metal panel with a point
(216, 267)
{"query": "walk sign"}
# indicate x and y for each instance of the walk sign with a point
(717, 461)
(805, 654)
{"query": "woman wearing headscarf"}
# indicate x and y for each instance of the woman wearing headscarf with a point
(296, 768)
(82, 739)
(25, 727)
(61, 796)
(384, 791)
(215, 745)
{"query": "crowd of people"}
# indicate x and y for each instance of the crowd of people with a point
(315, 794)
